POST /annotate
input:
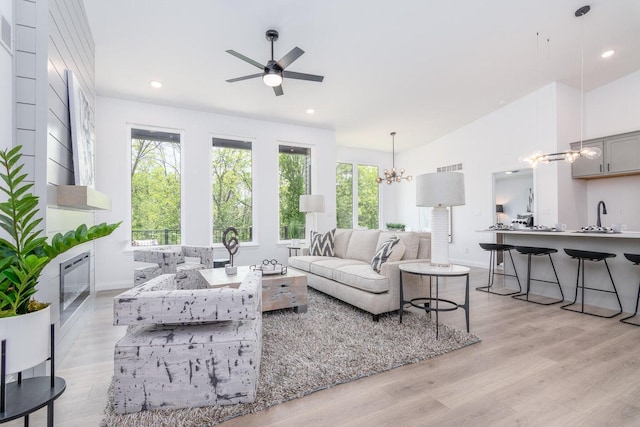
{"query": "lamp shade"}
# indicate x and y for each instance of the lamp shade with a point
(311, 203)
(440, 189)
(499, 208)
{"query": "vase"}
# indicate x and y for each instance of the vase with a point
(27, 337)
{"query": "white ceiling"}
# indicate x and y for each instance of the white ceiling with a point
(422, 68)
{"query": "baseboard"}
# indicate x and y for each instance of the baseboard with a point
(112, 286)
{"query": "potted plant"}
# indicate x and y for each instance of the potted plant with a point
(395, 226)
(24, 253)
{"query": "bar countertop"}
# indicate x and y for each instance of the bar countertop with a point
(568, 233)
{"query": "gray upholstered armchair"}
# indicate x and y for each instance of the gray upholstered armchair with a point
(183, 261)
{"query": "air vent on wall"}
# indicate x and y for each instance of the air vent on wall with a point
(5, 34)
(450, 168)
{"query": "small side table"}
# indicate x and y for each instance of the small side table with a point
(425, 303)
(294, 250)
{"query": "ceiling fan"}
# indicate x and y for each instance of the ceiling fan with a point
(274, 72)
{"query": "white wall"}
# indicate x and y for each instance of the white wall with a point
(6, 83)
(611, 109)
(114, 262)
(491, 144)
(495, 142)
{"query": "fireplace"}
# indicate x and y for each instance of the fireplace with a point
(74, 284)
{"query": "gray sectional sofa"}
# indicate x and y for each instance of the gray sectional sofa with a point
(348, 276)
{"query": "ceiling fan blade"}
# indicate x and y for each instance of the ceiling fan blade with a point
(278, 90)
(302, 76)
(244, 58)
(252, 76)
(288, 59)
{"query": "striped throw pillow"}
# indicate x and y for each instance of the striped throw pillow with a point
(383, 252)
(322, 243)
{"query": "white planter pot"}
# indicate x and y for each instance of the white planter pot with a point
(27, 339)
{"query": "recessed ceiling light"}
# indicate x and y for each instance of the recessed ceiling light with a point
(607, 53)
(156, 84)
(310, 111)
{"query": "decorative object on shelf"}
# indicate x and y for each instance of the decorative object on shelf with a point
(570, 156)
(394, 175)
(440, 190)
(232, 245)
(26, 253)
(270, 266)
(311, 204)
(499, 210)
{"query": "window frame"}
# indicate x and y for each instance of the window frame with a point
(312, 185)
(130, 126)
(355, 192)
(254, 216)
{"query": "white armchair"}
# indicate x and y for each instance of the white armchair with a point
(191, 348)
(183, 261)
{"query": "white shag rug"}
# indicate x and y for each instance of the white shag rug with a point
(332, 343)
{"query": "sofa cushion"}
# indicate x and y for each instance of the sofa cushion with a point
(383, 252)
(412, 242)
(397, 252)
(363, 244)
(341, 242)
(424, 249)
(409, 239)
(362, 277)
(304, 262)
(326, 267)
(322, 243)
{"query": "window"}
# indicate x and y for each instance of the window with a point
(295, 179)
(359, 190)
(368, 197)
(155, 187)
(232, 188)
(344, 195)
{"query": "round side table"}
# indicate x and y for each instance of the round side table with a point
(425, 303)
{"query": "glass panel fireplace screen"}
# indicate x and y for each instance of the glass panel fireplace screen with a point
(74, 284)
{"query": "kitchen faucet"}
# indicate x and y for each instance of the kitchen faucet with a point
(604, 211)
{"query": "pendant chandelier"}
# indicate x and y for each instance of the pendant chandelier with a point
(570, 156)
(393, 175)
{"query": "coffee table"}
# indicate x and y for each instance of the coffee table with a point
(278, 290)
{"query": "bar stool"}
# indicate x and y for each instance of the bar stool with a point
(494, 248)
(634, 258)
(583, 256)
(530, 251)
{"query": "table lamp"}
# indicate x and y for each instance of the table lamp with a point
(499, 210)
(311, 204)
(439, 191)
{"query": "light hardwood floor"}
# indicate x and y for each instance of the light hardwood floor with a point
(536, 365)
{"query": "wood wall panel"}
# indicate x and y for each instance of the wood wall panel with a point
(25, 38)
(25, 90)
(71, 47)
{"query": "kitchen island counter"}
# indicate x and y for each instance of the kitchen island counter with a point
(625, 274)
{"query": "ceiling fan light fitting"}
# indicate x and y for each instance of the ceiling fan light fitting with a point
(272, 78)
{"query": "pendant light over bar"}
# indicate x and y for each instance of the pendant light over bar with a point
(570, 156)
(393, 175)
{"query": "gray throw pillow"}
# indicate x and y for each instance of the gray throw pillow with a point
(383, 252)
(322, 243)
